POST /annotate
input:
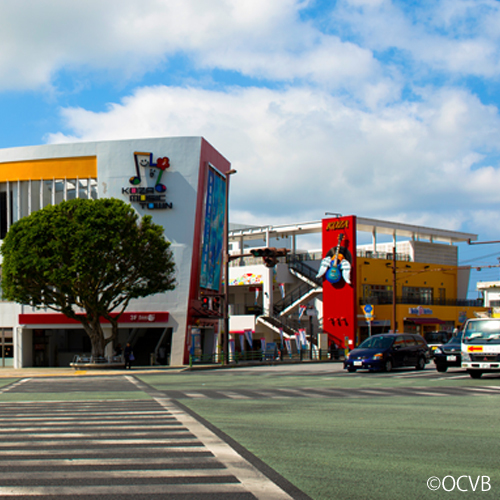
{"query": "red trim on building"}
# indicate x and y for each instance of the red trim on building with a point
(143, 317)
(208, 154)
(340, 298)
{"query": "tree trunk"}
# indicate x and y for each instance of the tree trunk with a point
(96, 335)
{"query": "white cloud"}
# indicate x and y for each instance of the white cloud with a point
(127, 38)
(301, 152)
(457, 36)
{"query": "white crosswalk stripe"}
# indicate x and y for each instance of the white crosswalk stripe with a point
(137, 449)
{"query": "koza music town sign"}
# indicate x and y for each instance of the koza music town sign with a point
(151, 198)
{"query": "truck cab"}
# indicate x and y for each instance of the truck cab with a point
(481, 346)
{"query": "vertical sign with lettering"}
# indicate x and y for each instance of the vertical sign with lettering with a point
(338, 269)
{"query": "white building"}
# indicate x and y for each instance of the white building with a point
(490, 291)
(180, 182)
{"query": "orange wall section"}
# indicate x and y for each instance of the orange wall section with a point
(81, 167)
(435, 276)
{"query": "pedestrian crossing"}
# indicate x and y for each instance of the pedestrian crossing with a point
(118, 449)
(325, 392)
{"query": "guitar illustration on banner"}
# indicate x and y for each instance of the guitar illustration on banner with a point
(337, 264)
(145, 160)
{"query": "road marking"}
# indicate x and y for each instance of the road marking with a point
(150, 458)
(251, 478)
(235, 395)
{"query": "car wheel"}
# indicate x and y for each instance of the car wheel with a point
(441, 368)
(475, 374)
(351, 370)
(388, 366)
(420, 363)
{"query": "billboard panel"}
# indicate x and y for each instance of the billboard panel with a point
(212, 245)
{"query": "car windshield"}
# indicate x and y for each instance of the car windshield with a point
(377, 343)
(436, 337)
(482, 332)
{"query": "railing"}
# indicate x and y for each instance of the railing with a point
(368, 254)
(386, 299)
(317, 256)
(290, 325)
(305, 270)
(274, 356)
(291, 297)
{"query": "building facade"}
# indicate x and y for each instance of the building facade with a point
(345, 291)
(182, 183)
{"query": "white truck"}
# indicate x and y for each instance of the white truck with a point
(481, 346)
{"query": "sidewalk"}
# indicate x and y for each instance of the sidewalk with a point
(9, 372)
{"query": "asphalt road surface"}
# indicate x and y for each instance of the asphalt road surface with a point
(114, 449)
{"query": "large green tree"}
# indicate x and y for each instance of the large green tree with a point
(86, 259)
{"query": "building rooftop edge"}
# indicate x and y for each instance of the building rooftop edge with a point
(363, 224)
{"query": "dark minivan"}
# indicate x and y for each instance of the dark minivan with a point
(387, 351)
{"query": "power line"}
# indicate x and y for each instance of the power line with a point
(481, 257)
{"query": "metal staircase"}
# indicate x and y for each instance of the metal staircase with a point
(310, 288)
(305, 273)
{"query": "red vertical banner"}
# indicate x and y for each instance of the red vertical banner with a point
(338, 270)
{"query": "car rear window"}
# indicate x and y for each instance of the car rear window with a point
(436, 337)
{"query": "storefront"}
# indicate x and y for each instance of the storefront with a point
(180, 182)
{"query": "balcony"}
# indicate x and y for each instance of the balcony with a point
(386, 299)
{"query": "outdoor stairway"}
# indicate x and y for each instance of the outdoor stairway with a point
(289, 327)
(310, 288)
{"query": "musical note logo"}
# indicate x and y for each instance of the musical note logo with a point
(145, 160)
(162, 164)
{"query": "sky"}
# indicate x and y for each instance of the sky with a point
(385, 109)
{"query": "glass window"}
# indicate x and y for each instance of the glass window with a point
(410, 341)
(399, 342)
(417, 295)
(377, 294)
(376, 342)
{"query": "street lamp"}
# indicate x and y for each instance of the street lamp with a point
(225, 341)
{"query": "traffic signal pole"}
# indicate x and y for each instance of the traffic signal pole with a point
(270, 259)
(225, 339)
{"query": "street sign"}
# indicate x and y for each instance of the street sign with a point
(368, 310)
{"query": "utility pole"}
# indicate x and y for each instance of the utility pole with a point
(393, 290)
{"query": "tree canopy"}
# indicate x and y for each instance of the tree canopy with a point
(86, 259)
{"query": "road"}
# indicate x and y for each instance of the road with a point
(265, 432)
(119, 448)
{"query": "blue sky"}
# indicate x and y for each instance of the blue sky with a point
(385, 109)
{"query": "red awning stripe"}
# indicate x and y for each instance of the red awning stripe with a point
(61, 319)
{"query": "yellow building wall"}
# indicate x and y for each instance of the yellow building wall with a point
(83, 167)
(412, 274)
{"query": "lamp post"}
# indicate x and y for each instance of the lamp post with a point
(225, 340)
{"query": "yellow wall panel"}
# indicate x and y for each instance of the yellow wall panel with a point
(81, 167)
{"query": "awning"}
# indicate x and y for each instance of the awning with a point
(425, 321)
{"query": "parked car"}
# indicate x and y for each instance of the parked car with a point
(388, 351)
(449, 354)
(436, 339)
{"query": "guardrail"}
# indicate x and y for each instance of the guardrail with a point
(267, 356)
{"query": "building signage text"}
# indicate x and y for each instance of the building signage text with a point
(338, 224)
(420, 310)
(149, 198)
